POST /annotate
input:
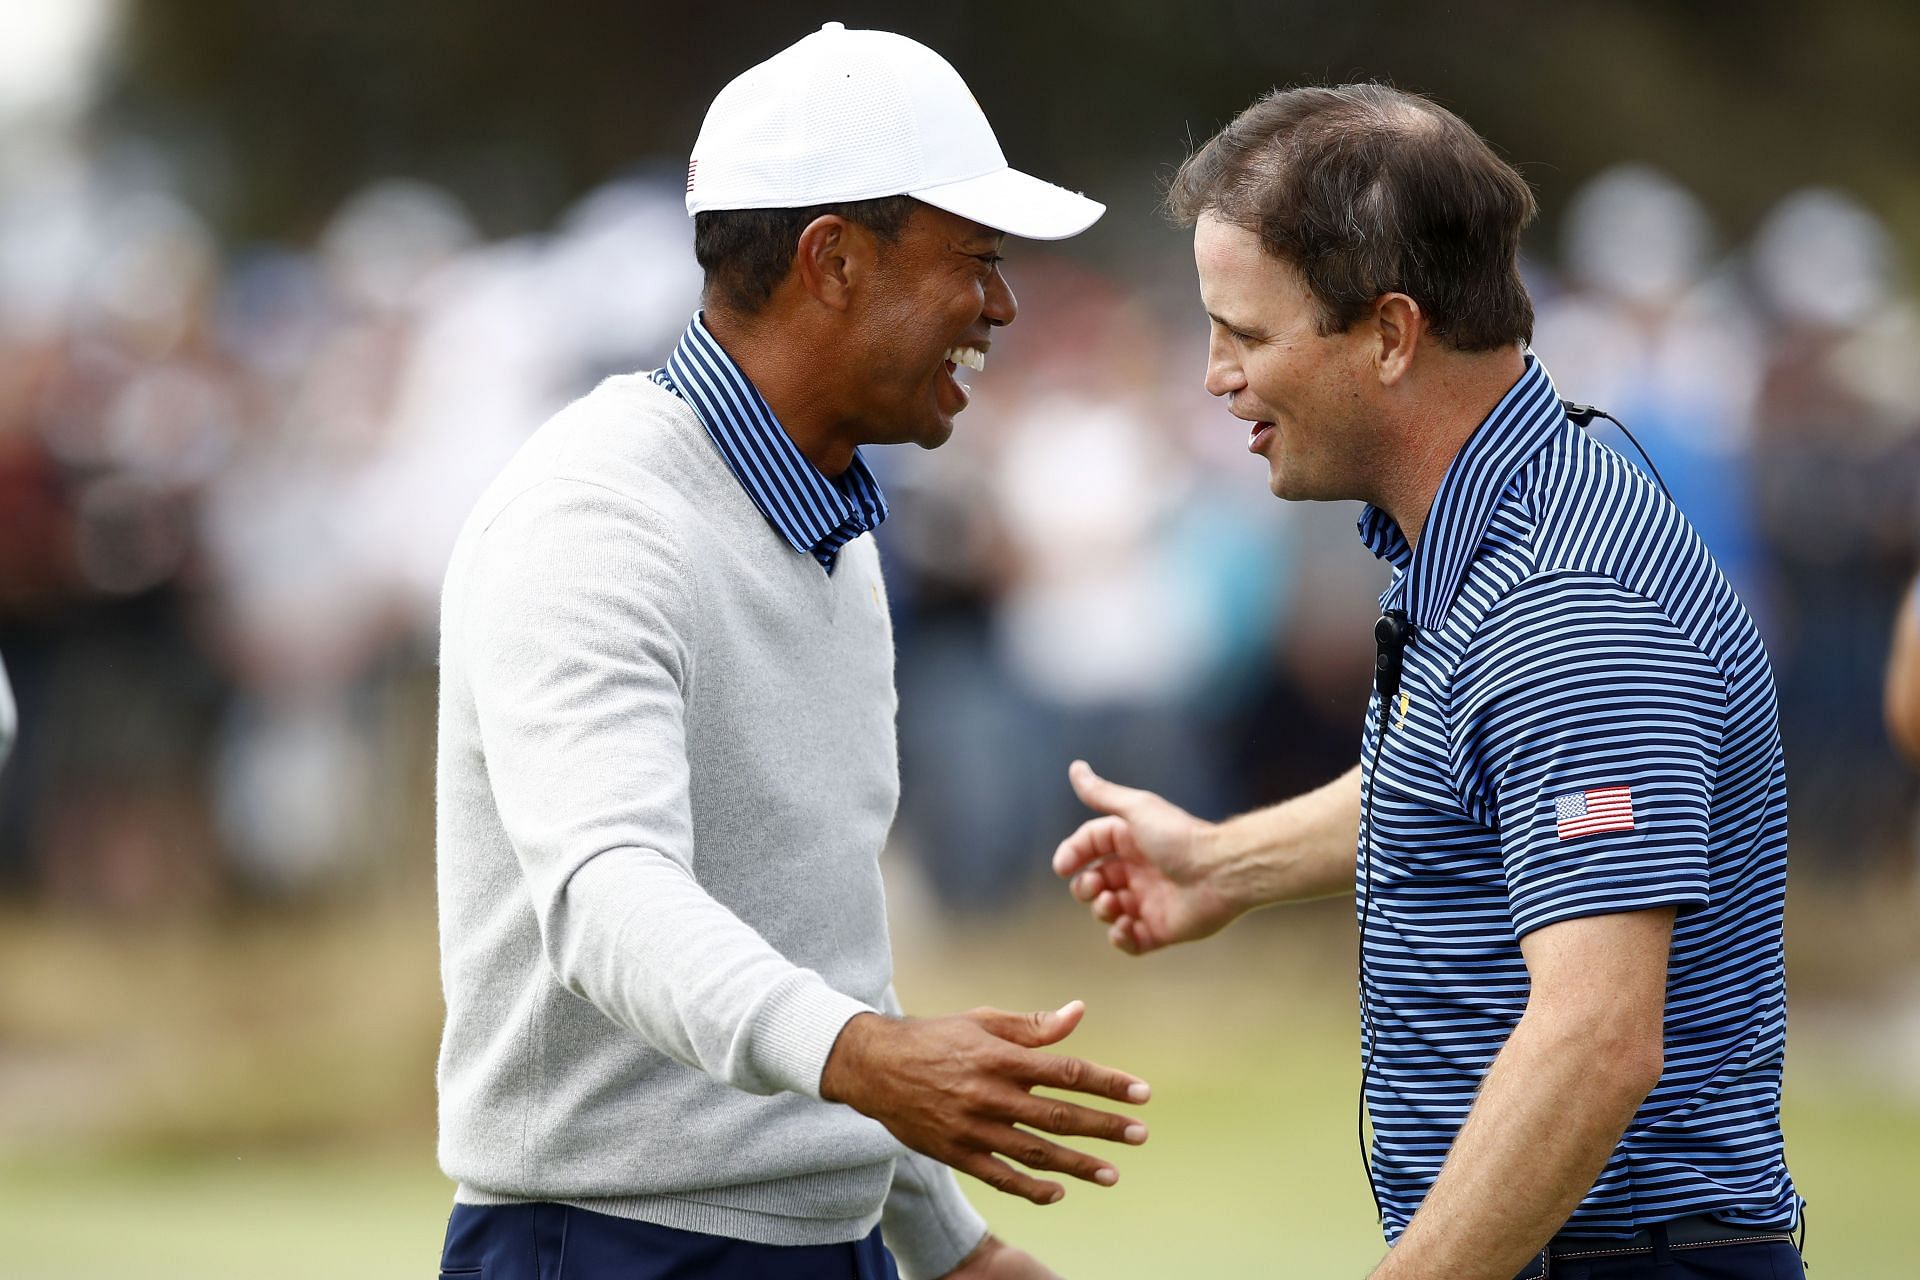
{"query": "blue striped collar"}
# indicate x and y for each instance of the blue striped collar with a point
(1518, 428)
(816, 514)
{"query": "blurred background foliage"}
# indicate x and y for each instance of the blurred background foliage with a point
(291, 106)
(281, 285)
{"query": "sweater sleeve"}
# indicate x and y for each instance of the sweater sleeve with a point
(927, 1221)
(578, 641)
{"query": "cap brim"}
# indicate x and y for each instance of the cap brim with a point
(1016, 203)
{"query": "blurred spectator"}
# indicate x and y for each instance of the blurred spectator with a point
(9, 719)
(1837, 461)
(117, 413)
(1653, 331)
(229, 476)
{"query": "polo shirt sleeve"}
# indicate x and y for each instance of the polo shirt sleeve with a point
(1587, 730)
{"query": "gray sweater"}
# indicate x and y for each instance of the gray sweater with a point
(667, 768)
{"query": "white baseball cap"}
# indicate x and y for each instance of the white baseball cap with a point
(856, 115)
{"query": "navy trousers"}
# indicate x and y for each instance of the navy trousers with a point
(555, 1242)
(1772, 1260)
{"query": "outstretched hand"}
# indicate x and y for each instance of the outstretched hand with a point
(1140, 866)
(956, 1088)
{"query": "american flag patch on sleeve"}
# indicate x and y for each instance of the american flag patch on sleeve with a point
(1582, 813)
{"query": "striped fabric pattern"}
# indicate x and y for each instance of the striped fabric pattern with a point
(1574, 638)
(814, 513)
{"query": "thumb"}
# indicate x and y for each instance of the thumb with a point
(1033, 1030)
(1097, 793)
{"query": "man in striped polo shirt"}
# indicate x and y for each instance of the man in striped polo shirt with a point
(1570, 802)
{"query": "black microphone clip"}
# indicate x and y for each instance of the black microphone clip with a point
(1391, 636)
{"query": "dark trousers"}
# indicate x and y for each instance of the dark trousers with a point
(1772, 1259)
(555, 1242)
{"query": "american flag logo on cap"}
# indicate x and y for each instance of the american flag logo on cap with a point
(1583, 813)
(693, 167)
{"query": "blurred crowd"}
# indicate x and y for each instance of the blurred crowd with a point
(230, 475)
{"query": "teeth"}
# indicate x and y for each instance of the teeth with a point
(972, 357)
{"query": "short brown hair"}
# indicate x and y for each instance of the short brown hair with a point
(746, 252)
(1367, 190)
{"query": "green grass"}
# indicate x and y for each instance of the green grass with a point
(105, 1218)
(1251, 1172)
(290, 1161)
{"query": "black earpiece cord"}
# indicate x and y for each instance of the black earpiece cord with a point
(1391, 636)
(1582, 415)
(1366, 1022)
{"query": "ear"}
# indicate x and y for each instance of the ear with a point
(832, 258)
(1399, 327)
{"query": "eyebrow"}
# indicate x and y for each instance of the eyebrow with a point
(1225, 323)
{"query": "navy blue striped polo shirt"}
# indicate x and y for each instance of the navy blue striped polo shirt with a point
(815, 513)
(1586, 725)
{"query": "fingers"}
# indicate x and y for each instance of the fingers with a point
(1041, 1154)
(1036, 1030)
(1129, 935)
(1003, 1177)
(1097, 793)
(1094, 840)
(1033, 1030)
(988, 1110)
(1036, 1152)
(1094, 881)
(1069, 1119)
(1076, 1075)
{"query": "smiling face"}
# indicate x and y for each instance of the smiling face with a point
(929, 305)
(1305, 394)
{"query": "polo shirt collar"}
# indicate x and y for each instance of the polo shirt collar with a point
(1527, 417)
(815, 514)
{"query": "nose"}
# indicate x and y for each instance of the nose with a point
(1001, 306)
(1224, 376)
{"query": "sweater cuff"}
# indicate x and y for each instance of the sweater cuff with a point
(796, 1029)
(927, 1222)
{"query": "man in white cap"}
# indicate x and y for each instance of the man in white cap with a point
(667, 758)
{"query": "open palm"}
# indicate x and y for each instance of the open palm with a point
(1140, 866)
